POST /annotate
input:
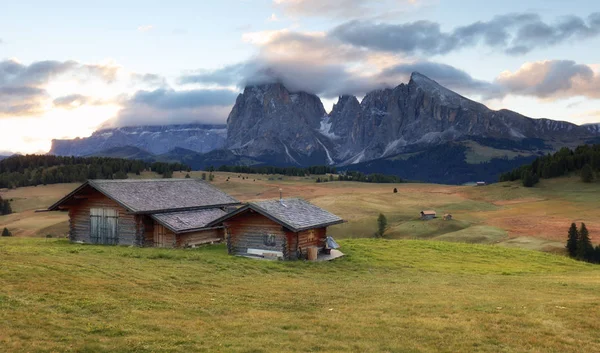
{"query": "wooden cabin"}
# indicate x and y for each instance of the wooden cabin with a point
(158, 213)
(428, 215)
(283, 229)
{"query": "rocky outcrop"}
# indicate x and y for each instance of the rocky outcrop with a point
(153, 139)
(422, 114)
(281, 126)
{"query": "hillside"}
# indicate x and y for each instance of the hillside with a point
(416, 296)
(506, 214)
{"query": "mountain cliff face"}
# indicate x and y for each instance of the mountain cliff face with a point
(269, 121)
(152, 139)
(421, 114)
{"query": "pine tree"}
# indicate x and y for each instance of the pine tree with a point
(584, 245)
(187, 176)
(587, 174)
(395, 191)
(6, 233)
(572, 240)
(381, 225)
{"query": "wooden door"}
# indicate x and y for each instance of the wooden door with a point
(160, 236)
(104, 226)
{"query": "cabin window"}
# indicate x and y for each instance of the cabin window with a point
(270, 240)
(103, 226)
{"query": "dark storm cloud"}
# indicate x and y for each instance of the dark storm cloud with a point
(515, 34)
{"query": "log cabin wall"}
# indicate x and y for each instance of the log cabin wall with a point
(249, 230)
(80, 223)
(311, 237)
(200, 237)
(163, 237)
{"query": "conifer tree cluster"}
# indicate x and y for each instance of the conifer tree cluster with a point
(579, 246)
(6, 232)
(31, 170)
(584, 160)
(5, 207)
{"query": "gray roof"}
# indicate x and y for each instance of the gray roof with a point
(158, 195)
(295, 214)
(186, 221)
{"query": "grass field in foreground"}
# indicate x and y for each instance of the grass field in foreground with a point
(384, 296)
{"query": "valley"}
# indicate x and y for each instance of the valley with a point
(506, 214)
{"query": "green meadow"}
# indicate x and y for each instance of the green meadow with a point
(384, 296)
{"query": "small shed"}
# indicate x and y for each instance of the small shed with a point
(284, 228)
(481, 183)
(447, 217)
(156, 213)
(428, 215)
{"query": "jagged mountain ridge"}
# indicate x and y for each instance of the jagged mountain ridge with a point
(152, 139)
(268, 120)
(422, 114)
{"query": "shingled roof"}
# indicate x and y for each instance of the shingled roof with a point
(144, 196)
(295, 214)
(187, 221)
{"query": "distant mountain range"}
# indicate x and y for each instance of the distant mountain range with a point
(420, 130)
(152, 139)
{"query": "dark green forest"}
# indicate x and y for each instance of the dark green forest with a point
(289, 171)
(31, 170)
(584, 160)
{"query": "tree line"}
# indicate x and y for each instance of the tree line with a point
(584, 159)
(288, 171)
(31, 170)
(369, 178)
(579, 246)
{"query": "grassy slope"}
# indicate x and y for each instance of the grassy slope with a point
(394, 296)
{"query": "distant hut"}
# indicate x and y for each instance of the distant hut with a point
(428, 215)
(447, 217)
(284, 228)
(156, 213)
(481, 183)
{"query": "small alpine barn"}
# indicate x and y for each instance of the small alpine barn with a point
(155, 213)
(286, 229)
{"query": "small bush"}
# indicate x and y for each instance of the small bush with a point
(6, 233)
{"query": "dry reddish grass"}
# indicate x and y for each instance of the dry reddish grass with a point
(544, 212)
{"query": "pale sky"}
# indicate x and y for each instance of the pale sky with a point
(67, 67)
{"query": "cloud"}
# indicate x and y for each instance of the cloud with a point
(339, 8)
(149, 79)
(552, 79)
(71, 101)
(145, 28)
(515, 34)
(168, 106)
(308, 62)
(23, 87)
(273, 18)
